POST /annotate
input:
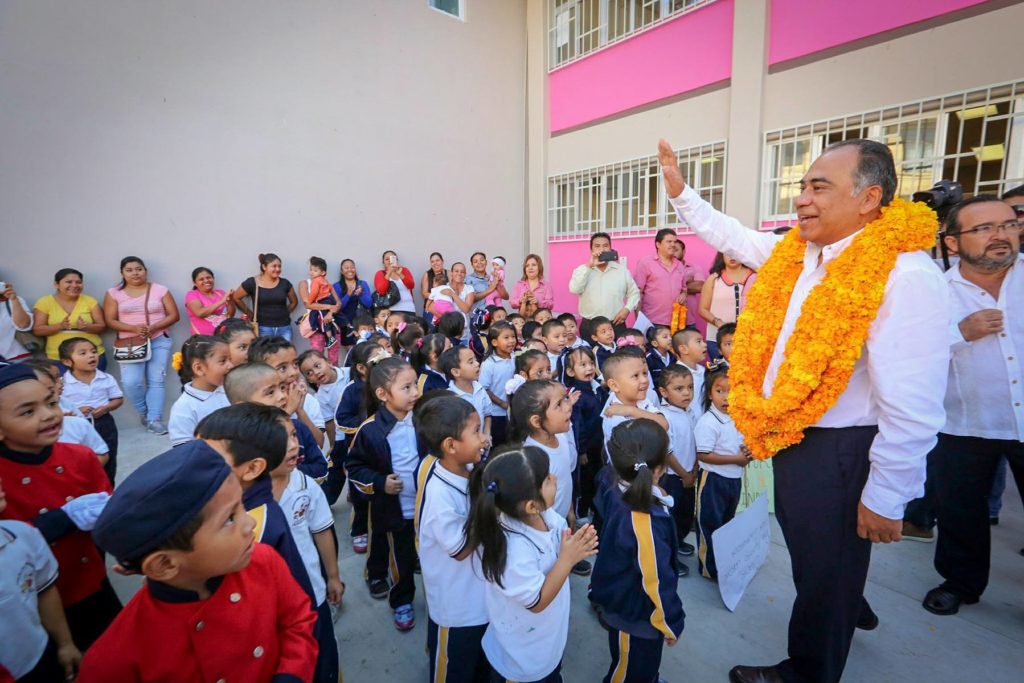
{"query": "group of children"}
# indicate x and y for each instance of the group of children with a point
(489, 458)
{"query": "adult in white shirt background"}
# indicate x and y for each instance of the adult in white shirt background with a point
(14, 317)
(985, 395)
(605, 288)
(846, 483)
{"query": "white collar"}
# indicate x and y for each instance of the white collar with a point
(722, 417)
(455, 389)
(829, 252)
(200, 394)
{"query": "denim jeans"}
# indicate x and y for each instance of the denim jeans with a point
(143, 383)
(282, 331)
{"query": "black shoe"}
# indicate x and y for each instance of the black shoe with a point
(944, 602)
(685, 549)
(868, 620)
(754, 674)
(682, 571)
(582, 568)
(993, 521)
(379, 588)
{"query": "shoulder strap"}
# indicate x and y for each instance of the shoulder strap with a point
(145, 304)
(255, 300)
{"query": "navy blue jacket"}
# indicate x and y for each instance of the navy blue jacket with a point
(634, 579)
(273, 529)
(348, 417)
(311, 459)
(655, 364)
(601, 354)
(430, 379)
(369, 464)
(586, 416)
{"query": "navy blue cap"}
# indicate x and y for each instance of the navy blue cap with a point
(158, 499)
(14, 373)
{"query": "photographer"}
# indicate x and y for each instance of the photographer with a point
(604, 287)
(985, 395)
(14, 318)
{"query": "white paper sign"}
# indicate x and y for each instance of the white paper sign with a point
(741, 547)
(642, 323)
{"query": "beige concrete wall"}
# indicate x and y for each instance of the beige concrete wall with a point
(193, 132)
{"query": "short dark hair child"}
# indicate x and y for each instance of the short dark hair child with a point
(531, 329)
(238, 335)
(169, 520)
(362, 320)
(452, 325)
(724, 338)
(262, 347)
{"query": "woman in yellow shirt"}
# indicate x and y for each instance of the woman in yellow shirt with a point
(69, 313)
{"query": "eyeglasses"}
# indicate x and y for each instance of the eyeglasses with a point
(986, 229)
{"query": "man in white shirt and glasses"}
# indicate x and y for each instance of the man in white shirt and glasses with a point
(985, 395)
(604, 286)
(843, 476)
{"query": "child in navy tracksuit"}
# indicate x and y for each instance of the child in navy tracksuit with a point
(382, 464)
(580, 373)
(659, 355)
(634, 581)
(425, 360)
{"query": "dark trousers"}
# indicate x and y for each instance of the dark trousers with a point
(553, 677)
(717, 499)
(335, 481)
(818, 484)
(684, 504)
(456, 655)
(392, 556)
(499, 430)
(360, 523)
(634, 660)
(48, 668)
(964, 470)
(89, 617)
(587, 474)
(107, 429)
(326, 670)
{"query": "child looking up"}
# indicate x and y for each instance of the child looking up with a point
(202, 364)
(532, 364)
(253, 440)
(659, 338)
(93, 392)
(74, 429)
(330, 382)
(61, 491)
(691, 350)
(635, 576)
(676, 389)
(215, 604)
(457, 615)
(497, 369)
(460, 366)
(580, 374)
(279, 353)
(238, 335)
(312, 526)
(380, 318)
(382, 464)
(425, 359)
(527, 553)
(626, 376)
(722, 455)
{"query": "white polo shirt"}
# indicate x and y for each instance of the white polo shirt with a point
(479, 398)
(697, 404)
(562, 462)
(190, 408)
(307, 511)
(312, 407)
(608, 423)
(717, 433)
(102, 390)
(522, 645)
(80, 430)
(455, 588)
(328, 396)
(27, 568)
(680, 437)
(495, 371)
(404, 460)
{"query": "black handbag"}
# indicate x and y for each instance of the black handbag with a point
(388, 299)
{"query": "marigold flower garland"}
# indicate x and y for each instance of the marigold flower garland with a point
(829, 334)
(678, 317)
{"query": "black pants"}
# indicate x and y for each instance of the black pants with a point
(587, 474)
(335, 481)
(634, 660)
(499, 430)
(47, 669)
(717, 500)
(818, 484)
(326, 670)
(456, 655)
(107, 429)
(392, 556)
(921, 511)
(89, 617)
(964, 469)
(684, 502)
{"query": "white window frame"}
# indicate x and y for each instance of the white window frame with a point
(569, 13)
(462, 10)
(938, 109)
(640, 207)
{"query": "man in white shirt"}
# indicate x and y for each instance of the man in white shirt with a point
(606, 288)
(847, 481)
(985, 396)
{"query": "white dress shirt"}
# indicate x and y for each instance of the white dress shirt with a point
(985, 397)
(604, 292)
(900, 377)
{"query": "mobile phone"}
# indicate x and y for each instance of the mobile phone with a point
(606, 256)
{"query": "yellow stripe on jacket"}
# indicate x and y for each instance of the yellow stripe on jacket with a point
(259, 515)
(649, 569)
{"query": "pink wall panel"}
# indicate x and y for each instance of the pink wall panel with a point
(684, 54)
(563, 257)
(800, 27)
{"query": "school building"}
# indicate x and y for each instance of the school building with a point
(202, 133)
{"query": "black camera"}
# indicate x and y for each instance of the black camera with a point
(608, 256)
(942, 197)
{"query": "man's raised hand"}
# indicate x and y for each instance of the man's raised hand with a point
(674, 183)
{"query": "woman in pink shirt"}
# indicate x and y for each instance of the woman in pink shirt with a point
(531, 292)
(125, 308)
(206, 305)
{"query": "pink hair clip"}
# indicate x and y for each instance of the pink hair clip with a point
(401, 326)
(419, 343)
(626, 341)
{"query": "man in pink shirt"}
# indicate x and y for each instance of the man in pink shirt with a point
(663, 280)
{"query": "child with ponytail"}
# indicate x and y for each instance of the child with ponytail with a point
(426, 360)
(202, 364)
(635, 576)
(497, 368)
(526, 555)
